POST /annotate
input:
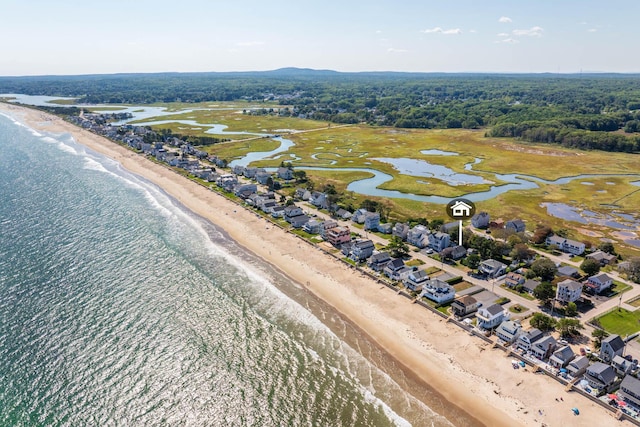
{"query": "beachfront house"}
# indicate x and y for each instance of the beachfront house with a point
(611, 346)
(395, 269)
(415, 280)
(361, 249)
(480, 220)
(566, 245)
(464, 306)
(338, 236)
(526, 339)
(278, 211)
(326, 226)
(299, 221)
(492, 268)
(602, 257)
(438, 241)
(568, 291)
(543, 347)
(508, 331)
(378, 261)
(438, 291)
(598, 283)
(312, 226)
(561, 357)
(630, 391)
(292, 212)
(600, 376)
(515, 225)
(491, 316)
(578, 366)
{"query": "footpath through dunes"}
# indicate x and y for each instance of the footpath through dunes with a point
(478, 379)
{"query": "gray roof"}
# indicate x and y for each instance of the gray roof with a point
(420, 274)
(380, 256)
(494, 264)
(545, 341)
(396, 263)
(571, 284)
(564, 353)
(534, 335)
(605, 371)
(632, 384)
(530, 284)
(580, 362)
(614, 341)
(495, 309)
(602, 277)
(567, 270)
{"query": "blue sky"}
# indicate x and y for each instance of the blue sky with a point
(81, 37)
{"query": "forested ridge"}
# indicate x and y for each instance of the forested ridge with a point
(591, 111)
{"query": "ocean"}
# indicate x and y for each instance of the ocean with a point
(118, 307)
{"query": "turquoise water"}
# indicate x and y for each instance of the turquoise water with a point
(118, 307)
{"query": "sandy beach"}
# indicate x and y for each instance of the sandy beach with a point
(463, 368)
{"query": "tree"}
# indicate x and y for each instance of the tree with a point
(542, 322)
(521, 252)
(544, 292)
(300, 175)
(599, 335)
(569, 327)
(473, 261)
(607, 247)
(633, 269)
(571, 309)
(544, 268)
(541, 233)
(590, 266)
(397, 248)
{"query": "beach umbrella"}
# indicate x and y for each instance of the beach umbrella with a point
(612, 396)
(622, 403)
(575, 411)
(563, 370)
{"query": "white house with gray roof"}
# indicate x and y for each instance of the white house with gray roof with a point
(509, 331)
(578, 366)
(415, 280)
(598, 283)
(492, 268)
(438, 291)
(566, 245)
(568, 291)
(491, 316)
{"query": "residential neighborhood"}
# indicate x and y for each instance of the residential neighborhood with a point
(488, 285)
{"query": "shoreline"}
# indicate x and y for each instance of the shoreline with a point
(462, 369)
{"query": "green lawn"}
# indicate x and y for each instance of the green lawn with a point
(517, 309)
(525, 295)
(618, 288)
(459, 287)
(620, 321)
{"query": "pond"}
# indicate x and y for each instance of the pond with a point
(584, 216)
(422, 168)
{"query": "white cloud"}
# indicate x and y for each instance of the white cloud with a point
(503, 34)
(592, 30)
(441, 31)
(532, 32)
(393, 50)
(504, 20)
(378, 31)
(250, 43)
(510, 41)
(473, 31)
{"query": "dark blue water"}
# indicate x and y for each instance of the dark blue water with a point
(117, 307)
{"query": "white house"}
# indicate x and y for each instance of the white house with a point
(492, 268)
(526, 340)
(566, 245)
(598, 283)
(438, 241)
(438, 291)
(491, 316)
(543, 347)
(568, 291)
(415, 280)
(509, 331)
(480, 220)
(561, 357)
